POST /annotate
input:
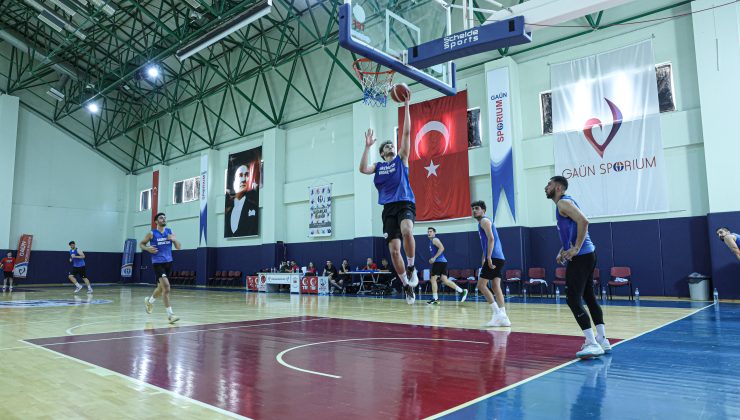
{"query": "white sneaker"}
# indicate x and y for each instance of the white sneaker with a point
(590, 350)
(464, 295)
(499, 321)
(11, 289)
(89, 291)
(173, 319)
(413, 276)
(78, 288)
(148, 306)
(605, 345)
(410, 295)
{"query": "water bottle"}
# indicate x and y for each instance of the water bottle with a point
(716, 296)
(603, 294)
(637, 295)
(524, 294)
(508, 292)
(557, 294)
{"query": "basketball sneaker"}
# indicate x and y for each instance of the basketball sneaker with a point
(464, 296)
(172, 319)
(605, 345)
(413, 276)
(433, 301)
(410, 296)
(499, 320)
(78, 288)
(89, 291)
(590, 350)
(148, 305)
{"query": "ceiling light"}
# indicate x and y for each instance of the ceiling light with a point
(225, 29)
(93, 107)
(152, 72)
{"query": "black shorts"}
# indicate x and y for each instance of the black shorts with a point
(8, 274)
(78, 271)
(162, 269)
(439, 268)
(489, 274)
(393, 214)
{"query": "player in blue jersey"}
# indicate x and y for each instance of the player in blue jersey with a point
(398, 201)
(492, 264)
(439, 268)
(158, 242)
(732, 240)
(578, 253)
(77, 258)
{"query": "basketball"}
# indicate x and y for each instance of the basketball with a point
(400, 92)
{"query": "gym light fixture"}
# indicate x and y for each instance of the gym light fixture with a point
(152, 71)
(93, 107)
(225, 29)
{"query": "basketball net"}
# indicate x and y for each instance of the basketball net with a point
(375, 83)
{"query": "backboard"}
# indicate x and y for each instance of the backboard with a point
(384, 30)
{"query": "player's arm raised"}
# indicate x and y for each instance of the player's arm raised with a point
(365, 168)
(405, 148)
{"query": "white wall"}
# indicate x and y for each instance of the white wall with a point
(64, 191)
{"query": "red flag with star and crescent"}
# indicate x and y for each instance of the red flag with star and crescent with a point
(438, 165)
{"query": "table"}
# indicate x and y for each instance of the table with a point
(374, 276)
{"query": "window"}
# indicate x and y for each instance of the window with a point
(546, 112)
(186, 190)
(664, 75)
(145, 200)
(666, 98)
(474, 128)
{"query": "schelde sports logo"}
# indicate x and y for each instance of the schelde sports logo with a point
(616, 124)
(460, 39)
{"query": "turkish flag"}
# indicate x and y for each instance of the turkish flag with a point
(438, 165)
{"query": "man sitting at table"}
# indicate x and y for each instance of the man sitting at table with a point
(370, 266)
(331, 271)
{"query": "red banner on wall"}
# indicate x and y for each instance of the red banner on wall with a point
(438, 164)
(23, 257)
(155, 197)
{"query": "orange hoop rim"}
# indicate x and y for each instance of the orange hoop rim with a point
(355, 66)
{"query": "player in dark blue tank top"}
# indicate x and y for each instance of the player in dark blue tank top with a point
(158, 242)
(579, 256)
(77, 258)
(492, 262)
(732, 240)
(399, 205)
(439, 268)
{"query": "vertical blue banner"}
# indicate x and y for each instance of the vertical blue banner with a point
(501, 137)
(127, 261)
(202, 235)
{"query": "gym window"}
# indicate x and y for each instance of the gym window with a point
(186, 190)
(145, 200)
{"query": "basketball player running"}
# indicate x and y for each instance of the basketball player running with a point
(394, 193)
(77, 258)
(439, 268)
(492, 262)
(732, 240)
(158, 242)
(579, 256)
(8, 264)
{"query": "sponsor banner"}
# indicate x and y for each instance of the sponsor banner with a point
(262, 283)
(500, 136)
(607, 135)
(243, 181)
(203, 195)
(319, 210)
(127, 260)
(155, 197)
(438, 161)
(23, 257)
(295, 284)
(252, 283)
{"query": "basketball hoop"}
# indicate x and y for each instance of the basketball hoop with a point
(375, 83)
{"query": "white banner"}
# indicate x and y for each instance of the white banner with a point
(606, 124)
(320, 211)
(500, 136)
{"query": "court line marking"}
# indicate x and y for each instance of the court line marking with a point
(541, 374)
(147, 384)
(280, 355)
(169, 333)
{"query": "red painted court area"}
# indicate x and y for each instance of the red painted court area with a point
(332, 367)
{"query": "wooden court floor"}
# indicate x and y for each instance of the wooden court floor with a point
(44, 373)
